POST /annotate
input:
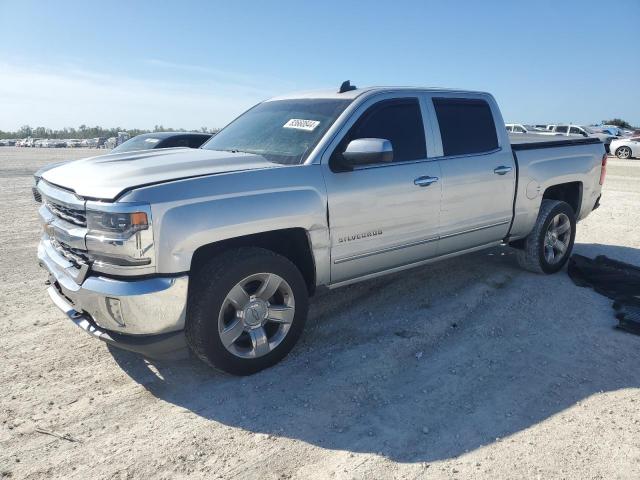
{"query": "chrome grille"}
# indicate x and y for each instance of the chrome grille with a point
(36, 195)
(73, 215)
(74, 255)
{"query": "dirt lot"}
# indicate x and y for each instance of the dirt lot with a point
(469, 368)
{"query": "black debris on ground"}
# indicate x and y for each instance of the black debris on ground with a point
(616, 280)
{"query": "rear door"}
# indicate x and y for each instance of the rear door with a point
(478, 172)
(385, 215)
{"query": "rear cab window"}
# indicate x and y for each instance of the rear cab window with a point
(466, 125)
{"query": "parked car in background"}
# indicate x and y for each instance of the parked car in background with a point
(110, 143)
(148, 141)
(530, 129)
(8, 142)
(610, 129)
(626, 147)
(579, 130)
(516, 128)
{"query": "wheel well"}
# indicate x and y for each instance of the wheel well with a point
(566, 192)
(292, 243)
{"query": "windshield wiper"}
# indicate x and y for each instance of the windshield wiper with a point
(236, 151)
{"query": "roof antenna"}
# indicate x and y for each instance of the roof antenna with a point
(346, 86)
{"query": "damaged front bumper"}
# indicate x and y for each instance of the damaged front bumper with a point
(142, 315)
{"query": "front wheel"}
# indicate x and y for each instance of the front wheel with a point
(548, 247)
(247, 309)
(623, 153)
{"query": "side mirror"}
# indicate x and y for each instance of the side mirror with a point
(363, 151)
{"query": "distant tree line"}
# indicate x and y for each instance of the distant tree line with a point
(84, 131)
(618, 122)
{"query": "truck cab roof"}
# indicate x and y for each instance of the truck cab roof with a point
(357, 92)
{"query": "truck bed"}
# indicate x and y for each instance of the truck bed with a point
(543, 161)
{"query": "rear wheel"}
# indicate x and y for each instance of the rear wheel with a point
(247, 309)
(623, 152)
(548, 247)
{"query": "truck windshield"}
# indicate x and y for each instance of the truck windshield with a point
(282, 131)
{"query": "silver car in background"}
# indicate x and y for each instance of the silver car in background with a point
(625, 148)
(584, 131)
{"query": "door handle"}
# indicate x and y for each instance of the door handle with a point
(425, 181)
(501, 170)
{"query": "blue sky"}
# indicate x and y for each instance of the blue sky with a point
(200, 63)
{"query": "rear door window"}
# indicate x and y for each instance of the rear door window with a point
(561, 129)
(466, 126)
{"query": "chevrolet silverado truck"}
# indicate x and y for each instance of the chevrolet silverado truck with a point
(218, 249)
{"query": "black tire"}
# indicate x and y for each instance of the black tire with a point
(209, 287)
(532, 256)
(619, 155)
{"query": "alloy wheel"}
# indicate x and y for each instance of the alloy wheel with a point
(623, 152)
(557, 238)
(256, 315)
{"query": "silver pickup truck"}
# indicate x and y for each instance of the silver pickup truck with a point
(219, 248)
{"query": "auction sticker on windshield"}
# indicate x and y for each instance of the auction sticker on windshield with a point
(300, 124)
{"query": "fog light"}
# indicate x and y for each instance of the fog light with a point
(115, 310)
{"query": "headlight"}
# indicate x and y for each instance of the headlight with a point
(121, 224)
(120, 237)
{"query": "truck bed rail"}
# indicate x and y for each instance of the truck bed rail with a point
(530, 145)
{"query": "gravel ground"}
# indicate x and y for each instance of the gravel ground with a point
(468, 368)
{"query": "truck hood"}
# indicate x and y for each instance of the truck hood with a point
(107, 176)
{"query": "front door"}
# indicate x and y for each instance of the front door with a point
(384, 215)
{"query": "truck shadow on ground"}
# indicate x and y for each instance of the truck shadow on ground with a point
(423, 365)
